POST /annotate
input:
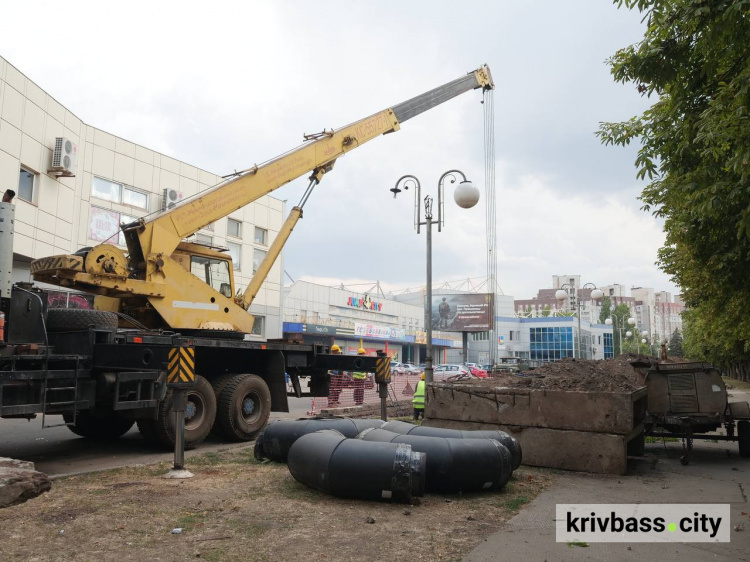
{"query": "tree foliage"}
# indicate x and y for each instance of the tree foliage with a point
(694, 59)
(675, 344)
(605, 310)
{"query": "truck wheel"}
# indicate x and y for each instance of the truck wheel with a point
(104, 427)
(244, 407)
(199, 417)
(743, 436)
(71, 319)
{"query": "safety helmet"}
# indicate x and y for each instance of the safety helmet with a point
(335, 348)
(422, 376)
(361, 351)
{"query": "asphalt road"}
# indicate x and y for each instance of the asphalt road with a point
(57, 451)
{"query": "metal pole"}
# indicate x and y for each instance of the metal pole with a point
(180, 399)
(578, 302)
(428, 302)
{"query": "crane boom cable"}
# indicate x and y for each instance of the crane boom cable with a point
(491, 213)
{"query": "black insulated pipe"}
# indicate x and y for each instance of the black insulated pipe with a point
(278, 437)
(349, 468)
(511, 443)
(454, 465)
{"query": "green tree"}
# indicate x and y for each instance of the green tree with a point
(675, 344)
(694, 59)
(546, 310)
(605, 310)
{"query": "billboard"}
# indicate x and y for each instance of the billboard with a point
(463, 313)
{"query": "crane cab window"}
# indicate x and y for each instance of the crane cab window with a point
(213, 272)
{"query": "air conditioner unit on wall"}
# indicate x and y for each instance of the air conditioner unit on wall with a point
(64, 157)
(171, 198)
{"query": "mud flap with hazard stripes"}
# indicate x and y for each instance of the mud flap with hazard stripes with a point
(181, 367)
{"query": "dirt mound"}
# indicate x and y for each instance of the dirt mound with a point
(611, 375)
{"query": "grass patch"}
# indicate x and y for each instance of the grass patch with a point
(657, 439)
(514, 504)
(738, 384)
(189, 520)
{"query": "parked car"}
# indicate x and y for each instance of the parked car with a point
(446, 372)
(409, 369)
(476, 371)
(396, 368)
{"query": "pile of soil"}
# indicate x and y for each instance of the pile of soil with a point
(610, 375)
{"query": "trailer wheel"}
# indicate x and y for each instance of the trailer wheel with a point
(743, 436)
(244, 407)
(199, 417)
(103, 427)
(72, 319)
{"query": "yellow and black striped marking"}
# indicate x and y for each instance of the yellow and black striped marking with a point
(181, 367)
(383, 370)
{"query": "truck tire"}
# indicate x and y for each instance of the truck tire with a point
(743, 437)
(199, 417)
(244, 407)
(72, 319)
(102, 427)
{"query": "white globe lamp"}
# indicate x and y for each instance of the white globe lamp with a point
(466, 195)
(608, 321)
(628, 333)
(561, 295)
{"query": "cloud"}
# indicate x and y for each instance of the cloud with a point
(229, 85)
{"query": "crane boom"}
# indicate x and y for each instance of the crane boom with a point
(157, 283)
(183, 220)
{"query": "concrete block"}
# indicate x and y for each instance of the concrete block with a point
(584, 451)
(605, 412)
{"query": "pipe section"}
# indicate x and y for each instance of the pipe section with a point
(349, 468)
(454, 465)
(278, 437)
(511, 443)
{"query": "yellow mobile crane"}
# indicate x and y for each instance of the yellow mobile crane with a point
(103, 376)
(164, 282)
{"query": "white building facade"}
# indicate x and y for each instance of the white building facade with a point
(113, 181)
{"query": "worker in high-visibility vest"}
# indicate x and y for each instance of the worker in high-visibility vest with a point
(337, 381)
(359, 378)
(418, 400)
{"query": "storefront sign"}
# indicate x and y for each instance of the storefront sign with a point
(381, 332)
(365, 303)
(104, 225)
(420, 337)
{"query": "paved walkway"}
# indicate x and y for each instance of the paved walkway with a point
(716, 475)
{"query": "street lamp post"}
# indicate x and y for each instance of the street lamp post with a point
(608, 322)
(466, 196)
(561, 294)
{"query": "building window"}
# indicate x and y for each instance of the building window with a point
(261, 235)
(124, 219)
(235, 251)
(234, 228)
(26, 182)
(209, 227)
(259, 326)
(204, 239)
(119, 193)
(258, 256)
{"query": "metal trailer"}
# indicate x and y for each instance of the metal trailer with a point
(689, 401)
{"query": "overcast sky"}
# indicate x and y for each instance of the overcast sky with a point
(224, 85)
